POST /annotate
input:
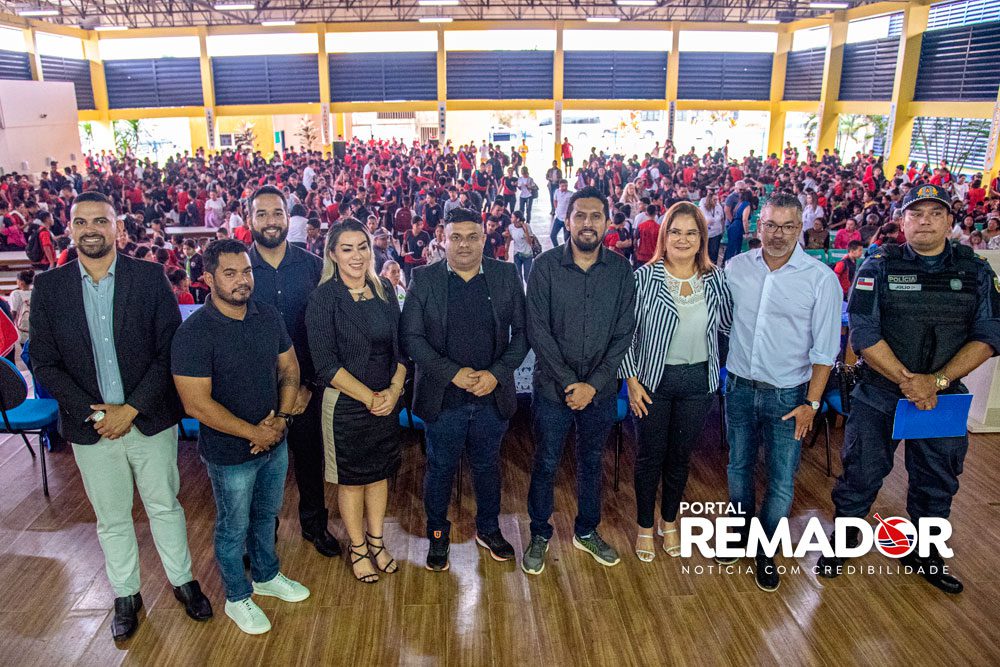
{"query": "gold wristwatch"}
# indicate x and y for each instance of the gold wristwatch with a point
(941, 382)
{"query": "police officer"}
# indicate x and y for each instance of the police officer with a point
(923, 315)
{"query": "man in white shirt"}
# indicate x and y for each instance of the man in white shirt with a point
(785, 339)
(561, 198)
(715, 216)
(309, 175)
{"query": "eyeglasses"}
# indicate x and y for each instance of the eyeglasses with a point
(779, 229)
(690, 235)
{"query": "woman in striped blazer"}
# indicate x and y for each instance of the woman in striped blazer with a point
(672, 369)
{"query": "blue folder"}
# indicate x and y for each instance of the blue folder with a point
(947, 420)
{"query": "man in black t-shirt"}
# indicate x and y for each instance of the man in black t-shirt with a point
(236, 373)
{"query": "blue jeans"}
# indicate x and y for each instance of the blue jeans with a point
(551, 424)
(753, 418)
(477, 429)
(523, 265)
(557, 225)
(247, 501)
(714, 243)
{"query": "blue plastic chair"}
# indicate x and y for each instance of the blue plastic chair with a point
(23, 415)
(620, 417)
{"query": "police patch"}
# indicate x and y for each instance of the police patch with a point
(996, 283)
(868, 284)
(896, 287)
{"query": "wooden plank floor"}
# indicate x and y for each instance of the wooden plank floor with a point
(55, 600)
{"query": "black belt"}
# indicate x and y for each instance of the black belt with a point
(760, 384)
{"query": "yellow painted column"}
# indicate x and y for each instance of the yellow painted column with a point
(205, 139)
(992, 166)
(34, 59)
(776, 132)
(323, 60)
(558, 90)
(442, 86)
(832, 67)
(905, 80)
(673, 70)
(98, 83)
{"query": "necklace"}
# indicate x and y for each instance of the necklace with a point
(359, 293)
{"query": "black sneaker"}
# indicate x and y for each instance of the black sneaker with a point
(437, 554)
(834, 565)
(499, 548)
(932, 569)
(766, 574)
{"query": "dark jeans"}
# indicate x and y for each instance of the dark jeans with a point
(933, 466)
(557, 225)
(474, 428)
(510, 202)
(667, 434)
(753, 419)
(305, 439)
(552, 196)
(247, 501)
(551, 424)
(522, 263)
(714, 243)
(524, 206)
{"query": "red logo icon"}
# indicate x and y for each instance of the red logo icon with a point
(895, 537)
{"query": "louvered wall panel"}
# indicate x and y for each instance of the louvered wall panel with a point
(74, 71)
(724, 76)
(868, 70)
(499, 75)
(147, 82)
(269, 79)
(960, 64)
(804, 74)
(379, 77)
(14, 65)
(610, 75)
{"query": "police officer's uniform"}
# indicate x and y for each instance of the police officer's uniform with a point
(926, 309)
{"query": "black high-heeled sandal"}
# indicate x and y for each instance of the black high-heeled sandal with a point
(376, 549)
(357, 557)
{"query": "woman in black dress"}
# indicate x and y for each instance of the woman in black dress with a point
(352, 322)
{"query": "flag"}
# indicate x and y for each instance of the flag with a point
(8, 334)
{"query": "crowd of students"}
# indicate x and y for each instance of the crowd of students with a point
(636, 293)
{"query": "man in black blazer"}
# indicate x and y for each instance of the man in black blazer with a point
(101, 329)
(463, 325)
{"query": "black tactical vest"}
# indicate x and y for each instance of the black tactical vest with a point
(926, 317)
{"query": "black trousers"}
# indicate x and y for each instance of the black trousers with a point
(667, 434)
(933, 466)
(305, 440)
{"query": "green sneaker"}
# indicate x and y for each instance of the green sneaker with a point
(593, 544)
(533, 561)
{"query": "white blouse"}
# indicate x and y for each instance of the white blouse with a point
(689, 344)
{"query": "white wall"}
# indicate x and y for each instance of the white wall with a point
(38, 124)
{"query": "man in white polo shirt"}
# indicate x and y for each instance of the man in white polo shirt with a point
(785, 339)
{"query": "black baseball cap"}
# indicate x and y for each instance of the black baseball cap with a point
(926, 193)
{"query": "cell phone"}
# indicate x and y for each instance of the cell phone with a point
(94, 417)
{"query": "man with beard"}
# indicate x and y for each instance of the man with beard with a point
(243, 396)
(117, 405)
(784, 341)
(580, 319)
(284, 277)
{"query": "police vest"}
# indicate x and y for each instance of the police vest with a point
(926, 317)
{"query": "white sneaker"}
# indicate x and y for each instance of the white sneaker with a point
(248, 616)
(283, 588)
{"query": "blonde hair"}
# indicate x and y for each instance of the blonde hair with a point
(330, 269)
(701, 260)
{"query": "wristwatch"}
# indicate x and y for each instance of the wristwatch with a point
(287, 417)
(941, 382)
(814, 405)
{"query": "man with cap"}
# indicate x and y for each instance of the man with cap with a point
(383, 250)
(923, 315)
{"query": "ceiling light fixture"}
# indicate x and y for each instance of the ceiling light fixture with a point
(829, 5)
(272, 24)
(763, 22)
(234, 7)
(436, 19)
(38, 12)
(437, 3)
(111, 28)
(603, 19)
(637, 3)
